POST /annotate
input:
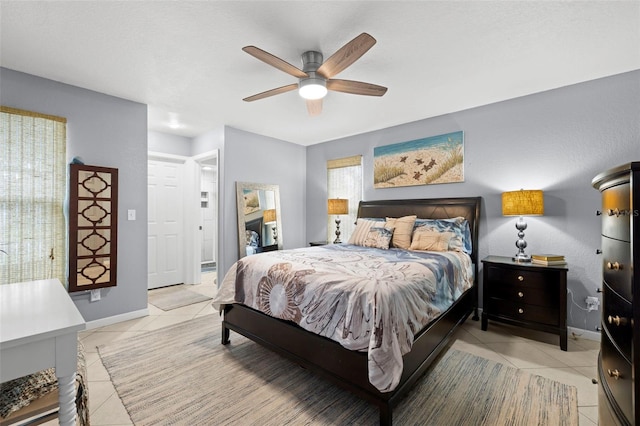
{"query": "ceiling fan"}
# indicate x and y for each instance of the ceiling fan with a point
(316, 77)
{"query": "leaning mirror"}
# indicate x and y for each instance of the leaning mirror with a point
(259, 218)
(93, 227)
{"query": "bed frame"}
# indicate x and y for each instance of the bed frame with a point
(346, 368)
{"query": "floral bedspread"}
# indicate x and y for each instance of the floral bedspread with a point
(363, 298)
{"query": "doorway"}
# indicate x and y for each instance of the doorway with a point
(208, 219)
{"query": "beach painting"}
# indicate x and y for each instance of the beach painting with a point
(432, 160)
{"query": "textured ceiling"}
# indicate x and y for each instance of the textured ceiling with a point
(184, 59)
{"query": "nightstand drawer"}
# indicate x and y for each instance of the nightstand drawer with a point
(616, 205)
(523, 312)
(616, 317)
(517, 277)
(541, 294)
(616, 266)
(617, 374)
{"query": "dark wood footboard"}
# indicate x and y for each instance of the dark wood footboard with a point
(348, 369)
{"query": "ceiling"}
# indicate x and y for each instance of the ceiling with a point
(184, 59)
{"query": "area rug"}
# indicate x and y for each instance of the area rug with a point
(182, 375)
(177, 296)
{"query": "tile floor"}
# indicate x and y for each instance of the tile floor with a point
(533, 352)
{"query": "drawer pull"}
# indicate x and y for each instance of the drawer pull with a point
(520, 278)
(617, 320)
(520, 294)
(598, 251)
(598, 212)
(614, 266)
(598, 290)
(520, 311)
(614, 373)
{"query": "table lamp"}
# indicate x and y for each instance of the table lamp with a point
(338, 206)
(522, 203)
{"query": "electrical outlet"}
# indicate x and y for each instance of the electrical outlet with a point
(95, 295)
(592, 303)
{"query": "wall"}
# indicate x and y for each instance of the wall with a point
(556, 141)
(249, 157)
(105, 131)
(169, 144)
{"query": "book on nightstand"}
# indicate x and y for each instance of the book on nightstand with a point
(548, 259)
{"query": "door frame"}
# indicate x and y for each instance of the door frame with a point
(192, 243)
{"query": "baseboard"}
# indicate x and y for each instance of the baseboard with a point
(117, 318)
(583, 334)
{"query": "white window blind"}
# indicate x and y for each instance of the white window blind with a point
(344, 180)
(32, 193)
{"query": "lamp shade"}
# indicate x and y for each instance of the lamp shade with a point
(523, 203)
(269, 215)
(338, 206)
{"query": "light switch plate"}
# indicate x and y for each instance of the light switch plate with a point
(131, 215)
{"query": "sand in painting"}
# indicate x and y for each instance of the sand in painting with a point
(429, 165)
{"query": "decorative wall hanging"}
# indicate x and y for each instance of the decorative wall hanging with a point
(436, 159)
(93, 227)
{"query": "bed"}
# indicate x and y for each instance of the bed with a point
(338, 355)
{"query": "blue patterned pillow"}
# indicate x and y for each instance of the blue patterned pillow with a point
(378, 237)
(458, 225)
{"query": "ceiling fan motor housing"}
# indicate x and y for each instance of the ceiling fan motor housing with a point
(314, 86)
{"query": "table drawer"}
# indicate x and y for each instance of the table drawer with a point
(616, 317)
(616, 207)
(518, 276)
(616, 266)
(614, 365)
(545, 294)
(523, 312)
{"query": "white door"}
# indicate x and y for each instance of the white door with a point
(166, 223)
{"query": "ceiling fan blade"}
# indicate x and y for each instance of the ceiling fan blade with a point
(274, 61)
(346, 55)
(272, 92)
(356, 87)
(314, 107)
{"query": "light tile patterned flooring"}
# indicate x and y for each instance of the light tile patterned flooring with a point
(533, 352)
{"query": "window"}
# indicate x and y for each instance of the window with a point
(344, 180)
(32, 193)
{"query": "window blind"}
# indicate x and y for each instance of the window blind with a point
(32, 193)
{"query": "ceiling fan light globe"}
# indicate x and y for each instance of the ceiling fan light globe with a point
(312, 88)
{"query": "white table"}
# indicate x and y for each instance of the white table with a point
(39, 326)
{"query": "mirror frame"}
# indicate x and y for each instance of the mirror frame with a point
(77, 207)
(241, 187)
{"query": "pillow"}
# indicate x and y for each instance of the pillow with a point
(425, 238)
(362, 229)
(458, 225)
(378, 238)
(403, 228)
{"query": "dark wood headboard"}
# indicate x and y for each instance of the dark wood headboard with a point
(430, 208)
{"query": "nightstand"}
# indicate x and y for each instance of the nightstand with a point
(525, 294)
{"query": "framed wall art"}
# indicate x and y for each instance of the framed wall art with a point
(426, 161)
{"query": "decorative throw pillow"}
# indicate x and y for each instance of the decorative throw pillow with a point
(403, 228)
(378, 237)
(458, 225)
(425, 238)
(362, 229)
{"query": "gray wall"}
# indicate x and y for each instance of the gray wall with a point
(105, 131)
(556, 141)
(168, 144)
(249, 157)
